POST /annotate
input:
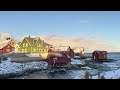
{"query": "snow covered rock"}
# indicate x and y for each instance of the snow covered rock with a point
(8, 67)
(114, 74)
(77, 61)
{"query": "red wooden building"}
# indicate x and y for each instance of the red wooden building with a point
(6, 48)
(58, 58)
(99, 55)
(66, 50)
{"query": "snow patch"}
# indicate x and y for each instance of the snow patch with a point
(12, 67)
(76, 61)
(114, 74)
(79, 74)
(88, 68)
(76, 56)
(32, 55)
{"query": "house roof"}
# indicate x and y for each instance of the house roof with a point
(98, 51)
(78, 49)
(30, 40)
(47, 44)
(33, 41)
(58, 55)
(62, 48)
(3, 45)
(18, 43)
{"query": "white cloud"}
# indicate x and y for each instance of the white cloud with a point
(90, 44)
(4, 36)
(83, 21)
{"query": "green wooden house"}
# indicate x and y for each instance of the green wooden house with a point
(33, 45)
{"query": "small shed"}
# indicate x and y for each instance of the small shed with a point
(6, 48)
(58, 58)
(99, 55)
(63, 49)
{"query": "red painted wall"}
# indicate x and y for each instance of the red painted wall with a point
(4, 49)
(102, 55)
(59, 60)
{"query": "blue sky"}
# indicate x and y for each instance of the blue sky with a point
(104, 25)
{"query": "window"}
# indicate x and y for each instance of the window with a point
(23, 44)
(26, 44)
(23, 50)
(8, 50)
(34, 50)
(38, 45)
(13, 49)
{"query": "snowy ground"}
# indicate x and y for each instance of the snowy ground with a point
(111, 69)
(32, 55)
(7, 67)
(77, 61)
(114, 74)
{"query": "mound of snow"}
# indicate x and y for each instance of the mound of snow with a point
(76, 56)
(114, 74)
(8, 67)
(88, 68)
(75, 61)
(79, 74)
(32, 55)
(12, 67)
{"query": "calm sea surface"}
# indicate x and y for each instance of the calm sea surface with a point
(109, 55)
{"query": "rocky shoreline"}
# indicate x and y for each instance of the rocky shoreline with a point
(26, 68)
(18, 74)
